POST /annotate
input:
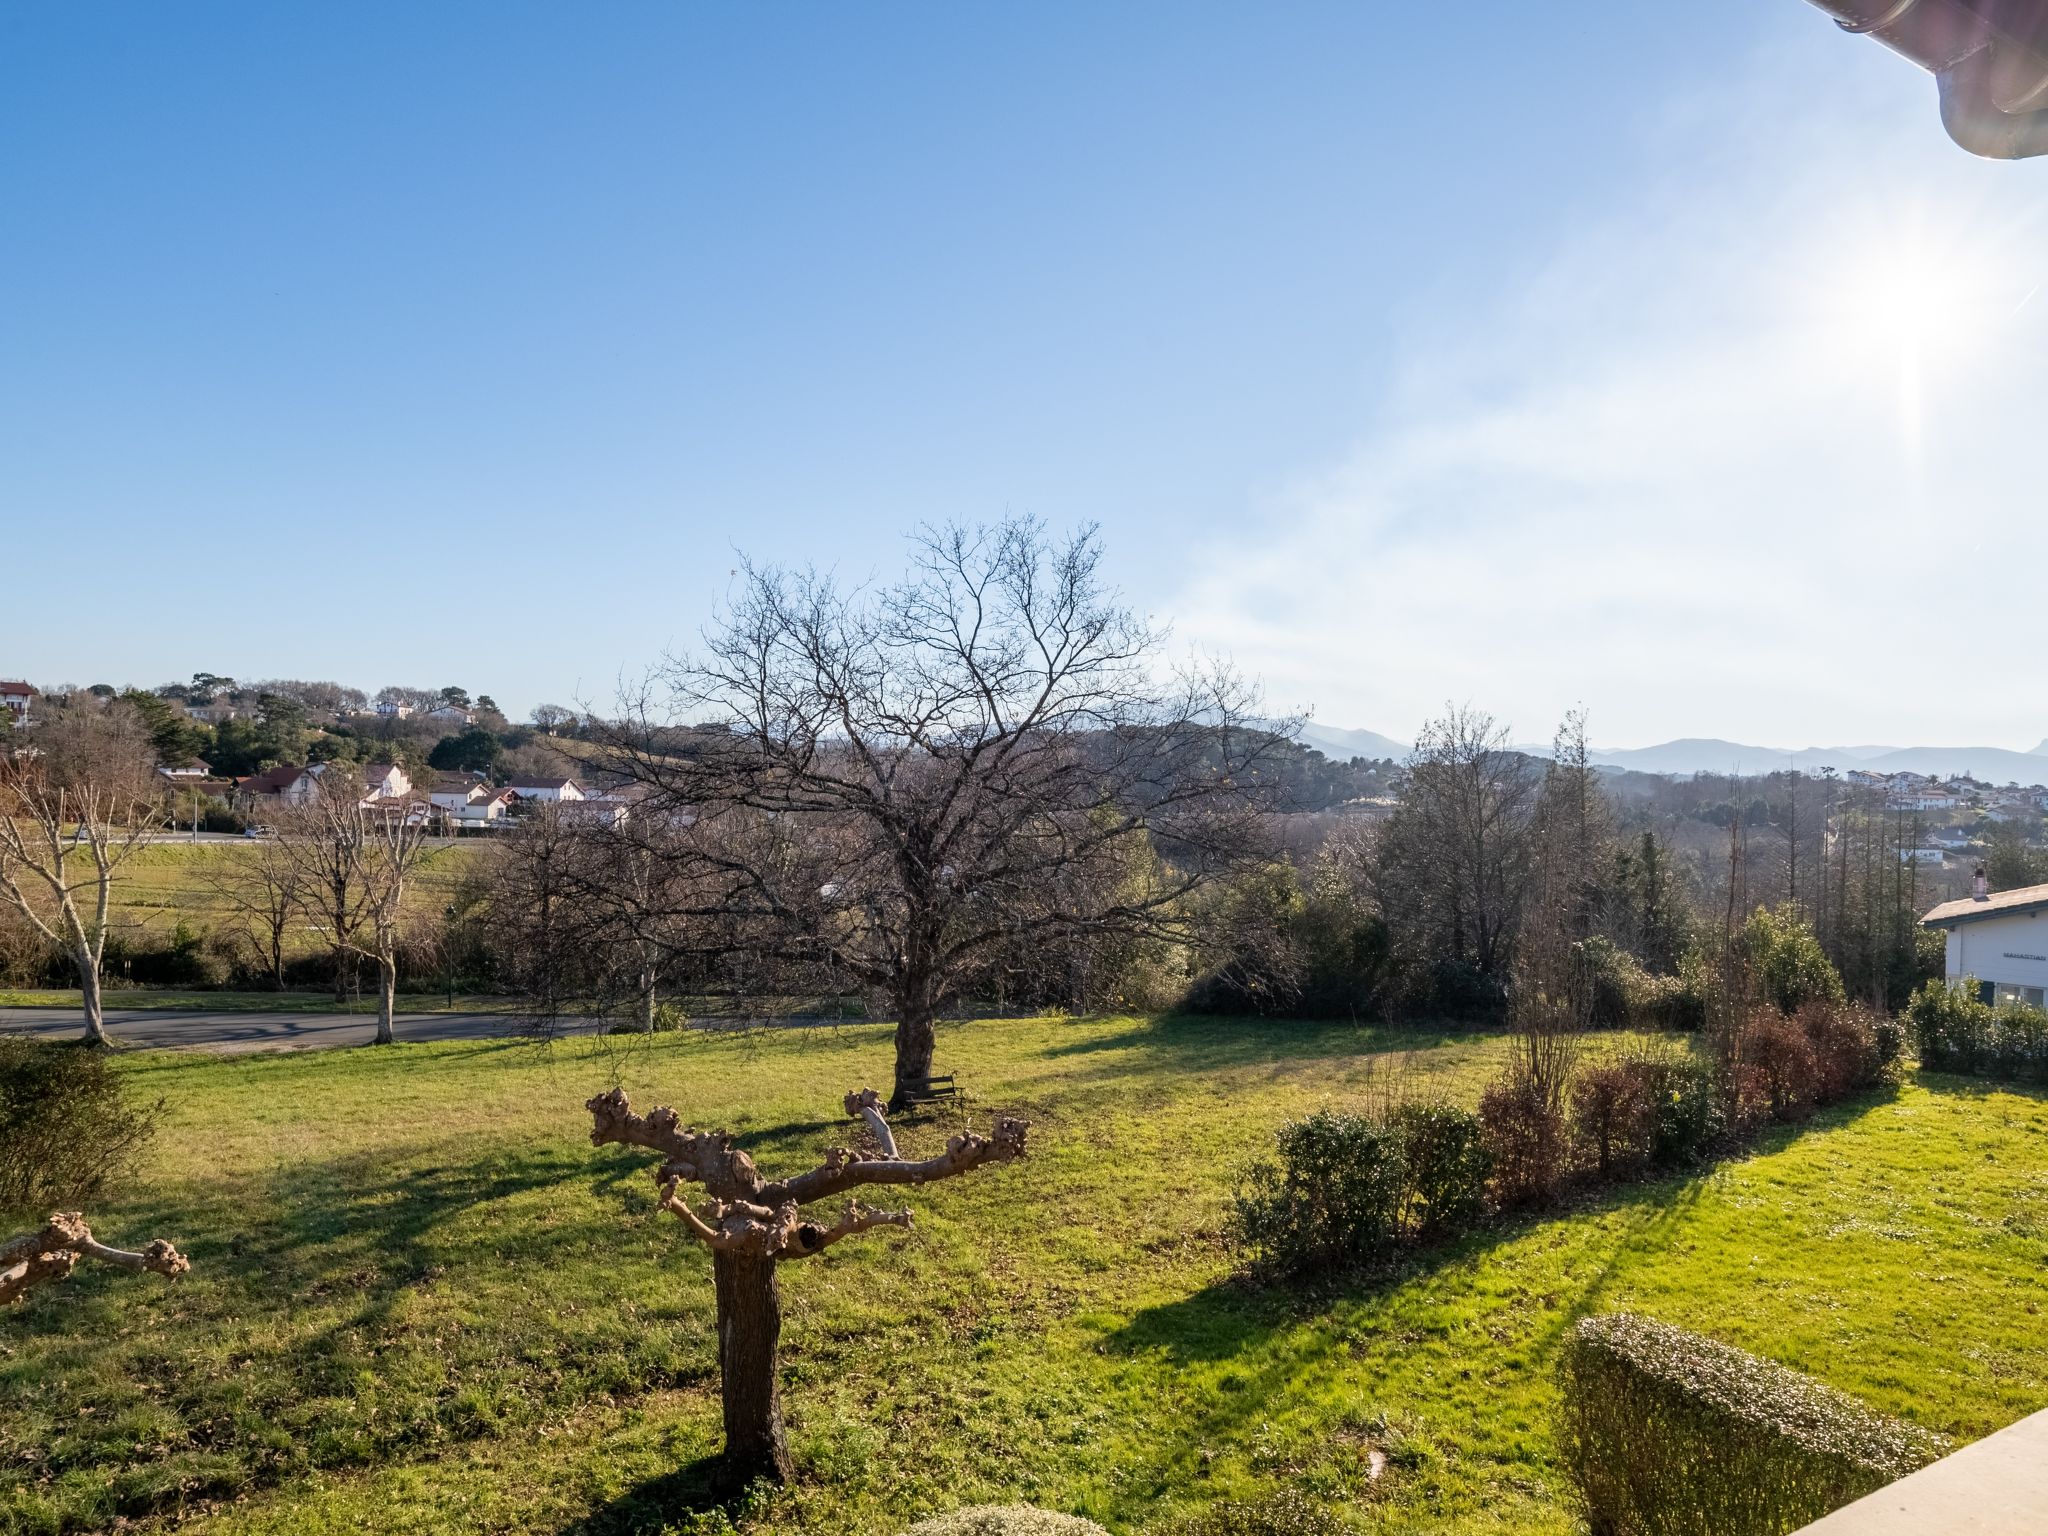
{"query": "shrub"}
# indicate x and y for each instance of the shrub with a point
(1670, 1434)
(1614, 1121)
(1844, 1043)
(1671, 1002)
(67, 1128)
(1955, 1031)
(181, 959)
(1786, 959)
(2016, 1045)
(1286, 1513)
(1685, 1096)
(1458, 990)
(1525, 1142)
(1005, 1520)
(1334, 1198)
(1614, 981)
(1444, 1152)
(1775, 1069)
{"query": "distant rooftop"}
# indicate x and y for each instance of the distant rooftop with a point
(2024, 898)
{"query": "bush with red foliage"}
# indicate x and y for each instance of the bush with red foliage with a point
(1614, 1118)
(1775, 1069)
(1524, 1130)
(1846, 1054)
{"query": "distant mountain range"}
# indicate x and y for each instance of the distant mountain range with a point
(1706, 754)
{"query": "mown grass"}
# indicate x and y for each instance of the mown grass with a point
(421, 1301)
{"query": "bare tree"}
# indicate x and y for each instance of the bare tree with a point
(1457, 861)
(580, 920)
(352, 863)
(264, 886)
(892, 784)
(77, 797)
(1574, 834)
(53, 1250)
(752, 1223)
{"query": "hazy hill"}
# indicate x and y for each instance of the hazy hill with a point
(1708, 754)
(1341, 745)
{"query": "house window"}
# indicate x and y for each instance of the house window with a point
(2033, 997)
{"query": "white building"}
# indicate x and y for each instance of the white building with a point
(545, 790)
(14, 698)
(472, 805)
(1925, 800)
(2001, 940)
(385, 781)
(1920, 855)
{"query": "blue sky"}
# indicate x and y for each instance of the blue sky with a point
(1672, 364)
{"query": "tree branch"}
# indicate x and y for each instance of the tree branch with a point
(748, 1214)
(53, 1251)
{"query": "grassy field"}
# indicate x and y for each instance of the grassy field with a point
(421, 1301)
(168, 883)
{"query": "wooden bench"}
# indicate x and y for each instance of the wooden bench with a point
(930, 1090)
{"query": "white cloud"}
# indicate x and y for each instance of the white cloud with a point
(1757, 456)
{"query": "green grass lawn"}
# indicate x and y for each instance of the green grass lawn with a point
(168, 883)
(420, 1301)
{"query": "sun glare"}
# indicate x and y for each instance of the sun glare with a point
(1922, 303)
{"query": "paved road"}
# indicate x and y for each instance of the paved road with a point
(197, 1029)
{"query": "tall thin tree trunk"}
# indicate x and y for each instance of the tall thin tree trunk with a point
(749, 1327)
(387, 997)
(89, 991)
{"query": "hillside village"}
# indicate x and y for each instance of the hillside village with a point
(233, 755)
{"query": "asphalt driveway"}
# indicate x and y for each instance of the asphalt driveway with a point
(173, 1029)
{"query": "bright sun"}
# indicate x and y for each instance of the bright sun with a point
(1916, 305)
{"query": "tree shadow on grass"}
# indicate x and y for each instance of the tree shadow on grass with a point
(1237, 1315)
(657, 1504)
(1203, 1042)
(1961, 1086)
(1241, 1312)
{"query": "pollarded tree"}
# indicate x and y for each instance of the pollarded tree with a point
(752, 1223)
(894, 785)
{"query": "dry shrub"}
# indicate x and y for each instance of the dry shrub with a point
(1525, 1142)
(1614, 1120)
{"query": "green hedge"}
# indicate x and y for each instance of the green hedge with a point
(1671, 1434)
(1955, 1031)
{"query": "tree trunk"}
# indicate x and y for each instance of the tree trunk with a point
(646, 990)
(915, 1041)
(749, 1325)
(89, 991)
(387, 989)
